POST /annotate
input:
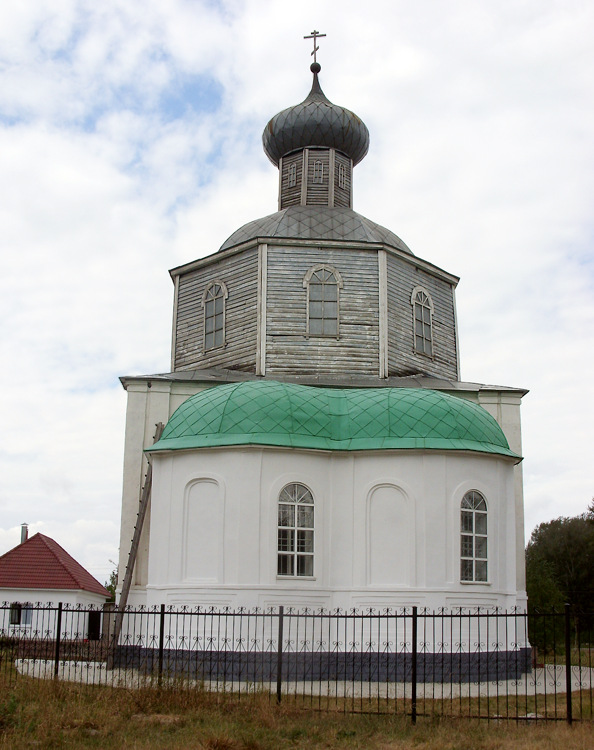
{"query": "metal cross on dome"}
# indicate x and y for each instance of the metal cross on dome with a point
(315, 35)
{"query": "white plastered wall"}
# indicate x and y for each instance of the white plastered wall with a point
(149, 402)
(386, 528)
(505, 407)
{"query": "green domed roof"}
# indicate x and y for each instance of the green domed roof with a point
(297, 416)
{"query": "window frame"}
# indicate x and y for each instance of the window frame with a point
(317, 176)
(307, 285)
(14, 617)
(423, 305)
(474, 507)
(292, 175)
(20, 614)
(222, 315)
(291, 562)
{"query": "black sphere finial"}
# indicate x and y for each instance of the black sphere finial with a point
(315, 67)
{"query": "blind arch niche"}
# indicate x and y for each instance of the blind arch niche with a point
(203, 518)
(389, 535)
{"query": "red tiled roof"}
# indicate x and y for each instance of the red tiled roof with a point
(40, 563)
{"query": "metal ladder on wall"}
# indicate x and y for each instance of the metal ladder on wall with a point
(142, 508)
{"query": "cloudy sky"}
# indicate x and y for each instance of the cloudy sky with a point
(130, 143)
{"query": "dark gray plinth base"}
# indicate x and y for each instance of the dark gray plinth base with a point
(241, 666)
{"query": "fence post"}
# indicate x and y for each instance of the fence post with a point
(161, 639)
(568, 662)
(57, 648)
(279, 654)
(414, 666)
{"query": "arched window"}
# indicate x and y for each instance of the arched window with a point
(295, 531)
(422, 321)
(473, 537)
(214, 301)
(322, 284)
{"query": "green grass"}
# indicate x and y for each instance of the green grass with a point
(48, 714)
(582, 657)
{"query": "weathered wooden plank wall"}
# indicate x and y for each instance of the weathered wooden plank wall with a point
(240, 274)
(291, 194)
(317, 192)
(342, 195)
(402, 359)
(288, 350)
(330, 192)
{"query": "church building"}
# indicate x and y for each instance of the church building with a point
(320, 449)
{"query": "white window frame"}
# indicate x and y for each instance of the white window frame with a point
(315, 272)
(295, 532)
(421, 299)
(474, 538)
(210, 298)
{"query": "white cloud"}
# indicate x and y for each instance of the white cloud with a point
(130, 143)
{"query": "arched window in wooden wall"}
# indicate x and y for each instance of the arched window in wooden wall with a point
(323, 284)
(214, 303)
(318, 172)
(422, 321)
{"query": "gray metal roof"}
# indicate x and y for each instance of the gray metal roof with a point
(315, 122)
(220, 375)
(316, 223)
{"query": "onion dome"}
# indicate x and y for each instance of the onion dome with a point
(315, 122)
(297, 416)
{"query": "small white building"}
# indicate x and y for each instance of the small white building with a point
(36, 577)
(321, 449)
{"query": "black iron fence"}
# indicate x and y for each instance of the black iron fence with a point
(479, 664)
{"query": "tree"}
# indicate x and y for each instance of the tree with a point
(560, 567)
(112, 584)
